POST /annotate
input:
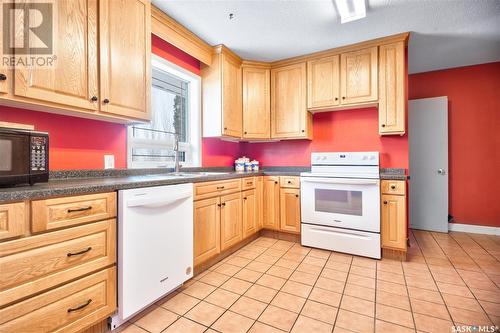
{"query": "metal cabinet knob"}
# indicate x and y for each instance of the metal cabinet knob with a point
(393, 187)
(105, 101)
(383, 125)
(296, 195)
(385, 202)
(93, 98)
(442, 172)
(3, 77)
(336, 98)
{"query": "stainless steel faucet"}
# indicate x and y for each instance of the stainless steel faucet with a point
(177, 166)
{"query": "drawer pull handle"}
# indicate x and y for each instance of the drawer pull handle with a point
(70, 254)
(249, 183)
(393, 187)
(385, 202)
(72, 210)
(220, 187)
(79, 307)
(289, 182)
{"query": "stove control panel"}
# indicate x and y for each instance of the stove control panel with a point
(345, 158)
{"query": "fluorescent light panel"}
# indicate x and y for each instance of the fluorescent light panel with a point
(350, 10)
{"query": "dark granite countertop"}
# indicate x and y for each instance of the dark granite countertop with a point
(63, 183)
(393, 174)
(76, 182)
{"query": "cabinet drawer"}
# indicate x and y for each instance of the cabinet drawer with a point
(289, 181)
(248, 183)
(393, 187)
(69, 308)
(12, 220)
(56, 213)
(216, 188)
(33, 264)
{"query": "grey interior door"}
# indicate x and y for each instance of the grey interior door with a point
(428, 144)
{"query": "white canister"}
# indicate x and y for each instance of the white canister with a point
(239, 165)
(248, 166)
(255, 165)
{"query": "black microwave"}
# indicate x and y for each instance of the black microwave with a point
(24, 157)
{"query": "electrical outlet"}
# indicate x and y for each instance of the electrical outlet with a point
(109, 161)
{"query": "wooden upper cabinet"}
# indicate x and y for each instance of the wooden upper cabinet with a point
(222, 98)
(232, 121)
(392, 99)
(290, 210)
(256, 101)
(358, 76)
(73, 80)
(289, 116)
(271, 203)
(125, 53)
(323, 82)
(206, 229)
(230, 220)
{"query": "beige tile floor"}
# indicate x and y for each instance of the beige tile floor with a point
(277, 286)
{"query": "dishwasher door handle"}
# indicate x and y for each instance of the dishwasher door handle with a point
(154, 202)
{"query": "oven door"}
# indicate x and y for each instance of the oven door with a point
(15, 158)
(341, 202)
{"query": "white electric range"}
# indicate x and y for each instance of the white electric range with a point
(340, 203)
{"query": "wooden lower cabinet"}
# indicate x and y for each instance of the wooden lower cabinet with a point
(271, 208)
(230, 220)
(393, 216)
(290, 210)
(206, 229)
(249, 208)
(69, 308)
(12, 220)
(259, 193)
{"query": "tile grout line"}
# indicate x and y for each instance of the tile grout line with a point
(435, 282)
(487, 315)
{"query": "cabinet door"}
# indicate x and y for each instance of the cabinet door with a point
(72, 80)
(290, 210)
(259, 191)
(125, 52)
(206, 229)
(256, 103)
(12, 220)
(4, 73)
(289, 116)
(393, 222)
(232, 121)
(230, 220)
(271, 203)
(392, 101)
(358, 76)
(249, 207)
(323, 82)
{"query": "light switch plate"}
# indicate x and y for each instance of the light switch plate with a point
(109, 161)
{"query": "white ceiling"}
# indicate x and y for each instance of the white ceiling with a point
(445, 33)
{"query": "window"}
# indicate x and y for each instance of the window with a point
(175, 108)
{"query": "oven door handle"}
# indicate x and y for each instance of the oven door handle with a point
(340, 181)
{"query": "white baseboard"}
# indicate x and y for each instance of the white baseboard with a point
(474, 229)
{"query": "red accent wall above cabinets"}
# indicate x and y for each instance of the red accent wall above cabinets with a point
(474, 137)
(169, 52)
(75, 143)
(346, 130)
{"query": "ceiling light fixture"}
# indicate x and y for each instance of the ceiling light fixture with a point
(350, 10)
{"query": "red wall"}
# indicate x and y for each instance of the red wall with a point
(347, 130)
(75, 143)
(474, 137)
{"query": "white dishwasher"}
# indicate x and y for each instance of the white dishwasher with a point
(155, 245)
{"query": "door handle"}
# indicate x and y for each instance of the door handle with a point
(441, 172)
